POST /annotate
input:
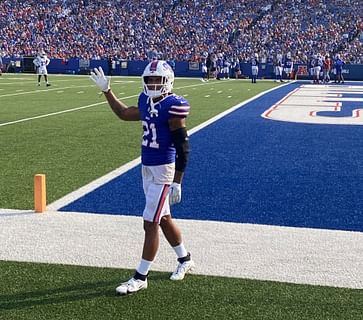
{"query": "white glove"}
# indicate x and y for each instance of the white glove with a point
(175, 193)
(100, 79)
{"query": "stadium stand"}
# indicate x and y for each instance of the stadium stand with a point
(181, 29)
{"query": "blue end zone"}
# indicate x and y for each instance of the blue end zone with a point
(248, 169)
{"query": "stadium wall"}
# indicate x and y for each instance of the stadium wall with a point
(135, 68)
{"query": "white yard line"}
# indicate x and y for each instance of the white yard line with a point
(113, 174)
(73, 109)
(43, 90)
(295, 255)
(52, 114)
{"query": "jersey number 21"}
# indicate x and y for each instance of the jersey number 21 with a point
(145, 141)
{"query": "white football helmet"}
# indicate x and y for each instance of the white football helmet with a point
(162, 69)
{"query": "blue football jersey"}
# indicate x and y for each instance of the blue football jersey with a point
(288, 63)
(254, 62)
(157, 147)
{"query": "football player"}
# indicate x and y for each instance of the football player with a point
(318, 64)
(41, 62)
(220, 62)
(254, 67)
(226, 66)
(164, 156)
(1, 65)
(277, 62)
(288, 66)
(311, 65)
(236, 67)
(204, 69)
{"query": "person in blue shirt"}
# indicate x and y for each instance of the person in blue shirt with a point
(338, 65)
(164, 156)
(172, 63)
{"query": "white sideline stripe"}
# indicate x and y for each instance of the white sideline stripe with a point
(31, 80)
(51, 114)
(93, 185)
(56, 205)
(73, 87)
(284, 254)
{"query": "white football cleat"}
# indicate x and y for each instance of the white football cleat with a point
(131, 286)
(182, 269)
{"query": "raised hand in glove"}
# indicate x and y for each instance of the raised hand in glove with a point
(99, 78)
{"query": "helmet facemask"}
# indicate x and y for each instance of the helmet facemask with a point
(155, 86)
(157, 79)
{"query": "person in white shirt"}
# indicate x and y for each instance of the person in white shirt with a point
(41, 62)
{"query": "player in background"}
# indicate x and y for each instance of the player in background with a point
(208, 63)
(219, 66)
(320, 63)
(277, 62)
(288, 66)
(316, 69)
(41, 62)
(311, 65)
(164, 155)
(338, 65)
(1, 65)
(316, 64)
(327, 68)
(204, 69)
(213, 65)
(226, 66)
(254, 67)
(236, 67)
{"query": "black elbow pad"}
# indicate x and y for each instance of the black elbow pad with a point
(181, 143)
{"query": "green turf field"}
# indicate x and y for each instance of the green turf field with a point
(67, 132)
(41, 291)
(75, 147)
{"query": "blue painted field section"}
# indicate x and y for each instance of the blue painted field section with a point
(247, 169)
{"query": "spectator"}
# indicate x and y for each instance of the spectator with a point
(133, 29)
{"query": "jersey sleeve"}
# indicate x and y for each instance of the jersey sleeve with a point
(179, 108)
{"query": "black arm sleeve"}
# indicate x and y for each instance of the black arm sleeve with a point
(181, 144)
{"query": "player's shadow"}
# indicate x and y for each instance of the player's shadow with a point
(77, 292)
(82, 291)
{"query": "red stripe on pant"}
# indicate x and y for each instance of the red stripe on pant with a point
(164, 194)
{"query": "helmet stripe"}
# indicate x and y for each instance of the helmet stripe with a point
(154, 65)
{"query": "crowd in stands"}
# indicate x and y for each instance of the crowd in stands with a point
(182, 30)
